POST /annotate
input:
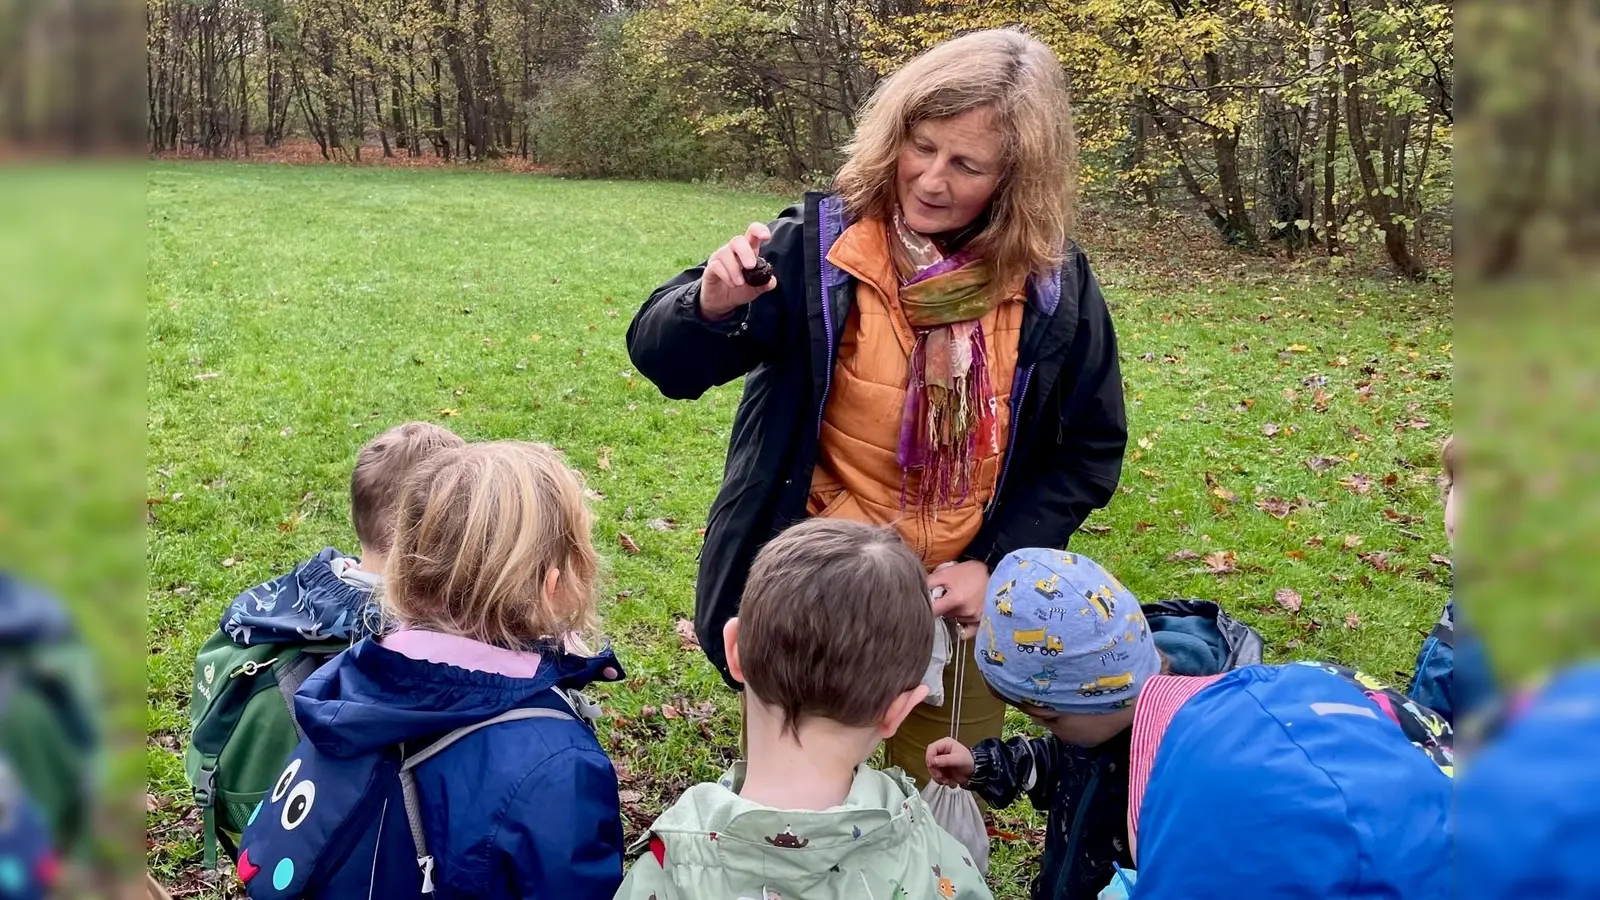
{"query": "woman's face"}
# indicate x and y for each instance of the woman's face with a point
(948, 171)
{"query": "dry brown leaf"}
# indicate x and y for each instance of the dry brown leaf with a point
(1097, 529)
(629, 796)
(1314, 541)
(1352, 621)
(1439, 559)
(1390, 480)
(1319, 400)
(229, 563)
(1295, 554)
(1288, 598)
(1221, 562)
(663, 524)
(603, 460)
(1378, 559)
(449, 412)
(627, 542)
(1401, 518)
(1183, 555)
(1276, 507)
(1141, 526)
(1358, 483)
(686, 636)
(1271, 429)
(668, 711)
(1324, 463)
(1352, 541)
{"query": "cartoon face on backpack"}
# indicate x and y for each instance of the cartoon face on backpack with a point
(320, 806)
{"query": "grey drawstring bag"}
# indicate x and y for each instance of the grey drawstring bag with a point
(956, 809)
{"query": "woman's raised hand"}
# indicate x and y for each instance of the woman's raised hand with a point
(965, 584)
(722, 286)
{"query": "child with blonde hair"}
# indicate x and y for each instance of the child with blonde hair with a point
(453, 757)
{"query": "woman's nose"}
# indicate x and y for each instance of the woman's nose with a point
(932, 180)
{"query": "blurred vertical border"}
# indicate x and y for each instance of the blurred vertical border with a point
(71, 362)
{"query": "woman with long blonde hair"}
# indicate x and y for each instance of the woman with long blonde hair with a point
(925, 348)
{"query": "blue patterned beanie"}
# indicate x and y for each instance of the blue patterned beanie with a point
(1059, 631)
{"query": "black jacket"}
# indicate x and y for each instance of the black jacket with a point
(1066, 443)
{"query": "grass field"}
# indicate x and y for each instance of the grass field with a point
(1284, 424)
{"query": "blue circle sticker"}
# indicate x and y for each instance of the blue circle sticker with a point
(283, 874)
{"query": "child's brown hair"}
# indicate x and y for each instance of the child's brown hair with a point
(835, 623)
(477, 530)
(381, 470)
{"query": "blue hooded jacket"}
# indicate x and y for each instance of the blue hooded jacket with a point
(525, 808)
(1530, 800)
(1287, 781)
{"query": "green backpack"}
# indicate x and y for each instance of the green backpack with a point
(49, 734)
(241, 711)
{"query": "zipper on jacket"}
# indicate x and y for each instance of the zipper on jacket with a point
(1084, 800)
(827, 306)
(1011, 440)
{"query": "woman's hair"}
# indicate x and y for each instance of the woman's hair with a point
(477, 529)
(1447, 464)
(1020, 80)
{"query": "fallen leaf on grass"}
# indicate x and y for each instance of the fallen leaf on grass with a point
(1221, 562)
(1439, 559)
(603, 461)
(1276, 507)
(229, 563)
(593, 494)
(665, 524)
(1314, 541)
(1271, 429)
(686, 636)
(1400, 518)
(1298, 348)
(1323, 463)
(668, 711)
(1352, 621)
(1319, 400)
(629, 796)
(1295, 554)
(1183, 555)
(1288, 598)
(627, 542)
(207, 376)
(1390, 480)
(1378, 559)
(1141, 527)
(449, 412)
(1352, 541)
(1218, 491)
(1358, 483)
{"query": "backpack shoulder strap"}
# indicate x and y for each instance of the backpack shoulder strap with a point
(408, 781)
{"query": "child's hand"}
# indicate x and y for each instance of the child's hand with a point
(949, 762)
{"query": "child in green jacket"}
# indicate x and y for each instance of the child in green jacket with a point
(834, 631)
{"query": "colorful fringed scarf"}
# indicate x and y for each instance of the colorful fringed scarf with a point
(950, 411)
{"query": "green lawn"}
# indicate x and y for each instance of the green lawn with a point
(295, 312)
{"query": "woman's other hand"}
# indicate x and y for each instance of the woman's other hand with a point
(965, 584)
(722, 286)
(950, 762)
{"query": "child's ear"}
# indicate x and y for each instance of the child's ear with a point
(730, 647)
(552, 578)
(899, 708)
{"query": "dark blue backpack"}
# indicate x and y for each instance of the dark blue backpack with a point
(27, 863)
(352, 827)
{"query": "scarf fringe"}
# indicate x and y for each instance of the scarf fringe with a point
(941, 427)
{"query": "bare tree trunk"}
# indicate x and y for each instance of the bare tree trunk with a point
(1394, 233)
